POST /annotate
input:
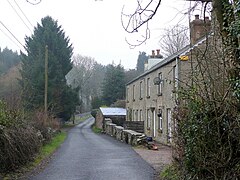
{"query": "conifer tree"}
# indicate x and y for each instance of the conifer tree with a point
(113, 84)
(49, 34)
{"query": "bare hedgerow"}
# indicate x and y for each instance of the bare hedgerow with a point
(21, 137)
(47, 126)
(19, 145)
(19, 141)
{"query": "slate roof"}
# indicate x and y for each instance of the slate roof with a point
(112, 111)
(171, 58)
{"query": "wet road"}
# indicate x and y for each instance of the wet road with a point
(89, 156)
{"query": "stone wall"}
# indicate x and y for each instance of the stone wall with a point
(121, 134)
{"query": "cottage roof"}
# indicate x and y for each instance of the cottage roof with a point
(112, 111)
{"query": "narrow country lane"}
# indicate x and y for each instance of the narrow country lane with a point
(89, 156)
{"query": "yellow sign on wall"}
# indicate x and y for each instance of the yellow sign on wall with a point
(183, 58)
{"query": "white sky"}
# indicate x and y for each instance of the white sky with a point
(94, 27)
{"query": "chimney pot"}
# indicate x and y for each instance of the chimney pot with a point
(158, 51)
(197, 16)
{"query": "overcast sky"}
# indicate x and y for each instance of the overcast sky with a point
(94, 27)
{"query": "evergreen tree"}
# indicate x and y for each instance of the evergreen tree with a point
(8, 59)
(49, 34)
(114, 84)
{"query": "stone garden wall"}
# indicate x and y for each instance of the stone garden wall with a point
(121, 134)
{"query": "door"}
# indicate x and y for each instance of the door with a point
(169, 125)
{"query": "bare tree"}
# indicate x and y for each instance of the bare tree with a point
(133, 22)
(174, 39)
(79, 77)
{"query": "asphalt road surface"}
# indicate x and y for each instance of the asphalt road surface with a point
(89, 156)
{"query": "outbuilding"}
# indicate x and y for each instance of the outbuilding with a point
(117, 116)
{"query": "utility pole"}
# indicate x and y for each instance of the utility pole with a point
(46, 83)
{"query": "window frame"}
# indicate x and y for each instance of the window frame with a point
(133, 91)
(160, 119)
(141, 90)
(148, 87)
(160, 85)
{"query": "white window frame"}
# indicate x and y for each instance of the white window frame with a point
(140, 115)
(141, 90)
(160, 85)
(160, 119)
(148, 87)
(133, 92)
(148, 118)
(136, 115)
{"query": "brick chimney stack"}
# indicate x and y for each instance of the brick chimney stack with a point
(199, 28)
(158, 52)
(153, 54)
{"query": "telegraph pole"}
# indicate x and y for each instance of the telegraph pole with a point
(46, 83)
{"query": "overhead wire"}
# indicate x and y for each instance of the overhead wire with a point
(19, 16)
(9, 38)
(12, 34)
(23, 13)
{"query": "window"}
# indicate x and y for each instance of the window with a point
(160, 86)
(159, 119)
(148, 118)
(148, 87)
(175, 77)
(136, 115)
(130, 114)
(134, 92)
(127, 94)
(141, 90)
(140, 115)
(133, 115)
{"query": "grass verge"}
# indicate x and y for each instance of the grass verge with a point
(49, 148)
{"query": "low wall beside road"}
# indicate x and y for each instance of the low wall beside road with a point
(125, 135)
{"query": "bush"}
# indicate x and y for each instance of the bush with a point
(46, 127)
(208, 143)
(18, 140)
(21, 138)
(18, 146)
(170, 172)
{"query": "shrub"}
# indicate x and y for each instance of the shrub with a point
(18, 146)
(18, 141)
(170, 172)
